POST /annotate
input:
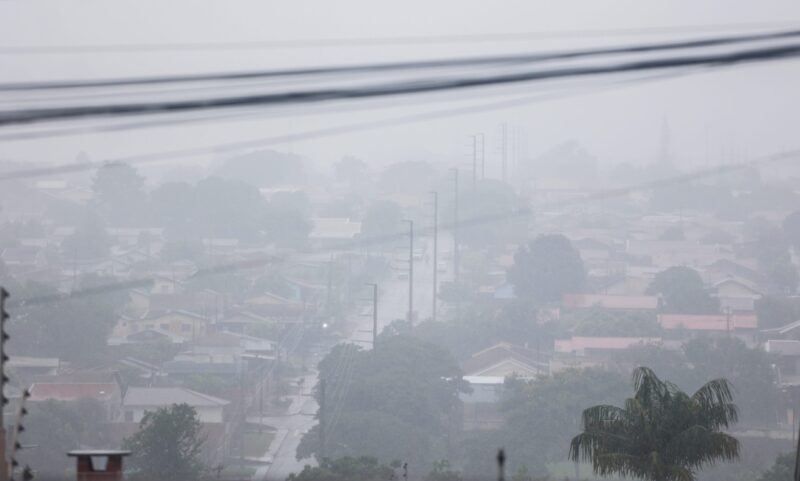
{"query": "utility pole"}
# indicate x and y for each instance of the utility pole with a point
(4, 473)
(435, 251)
(374, 315)
(474, 162)
(321, 420)
(503, 151)
(410, 271)
(483, 155)
(455, 225)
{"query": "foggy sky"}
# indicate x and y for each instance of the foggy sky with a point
(748, 110)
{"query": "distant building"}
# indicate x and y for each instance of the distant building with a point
(610, 302)
(139, 400)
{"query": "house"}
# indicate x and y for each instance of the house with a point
(787, 369)
(666, 254)
(102, 386)
(728, 269)
(184, 324)
(610, 302)
(218, 353)
(504, 359)
(601, 347)
(25, 367)
(482, 405)
(274, 306)
(736, 295)
(709, 322)
(24, 258)
(334, 231)
(238, 321)
(139, 400)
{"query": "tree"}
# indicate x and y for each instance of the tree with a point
(700, 360)
(89, 241)
(662, 433)
(442, 471)
(407, 177)
(397, 401)
(168, 444)
(56, 427)
(364, 468)
(673, 233)
(383, 217)
(791, 229)
(264, 168)
(540, 415)
(351, 170)
(776, 311)
(228, 208)
(782, 470)
(683, 291)
(175, 208)
(546, 269)
(72, 329)
(492, 199)
(119, 194)
(775, 260)
(287, 219)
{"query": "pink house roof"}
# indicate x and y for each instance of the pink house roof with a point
(602, 343)
(72, 391)
(708, 322)
(585, 301)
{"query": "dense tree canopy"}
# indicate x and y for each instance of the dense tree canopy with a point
(546, 269)
(748, 369)
(541, 415)
(791, 229)
(346, 468)
(264, 168)
(167, 445)
(495, 200)
(89, 241)
(395, 402)
(683, 291)
(661, 433)
(71, 329)
(119, 195)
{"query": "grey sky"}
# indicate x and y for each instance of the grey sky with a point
(750, 110)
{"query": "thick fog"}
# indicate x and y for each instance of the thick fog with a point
(520, 257)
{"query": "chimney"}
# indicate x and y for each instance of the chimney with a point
(98, 464)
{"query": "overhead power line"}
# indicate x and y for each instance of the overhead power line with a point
(26, 116)
(137, 159)
(381, 41)
(411, 65)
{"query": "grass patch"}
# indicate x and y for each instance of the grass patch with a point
(256, 443)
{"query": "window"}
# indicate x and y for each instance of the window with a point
(128, 416)
(164, 326)
(186, 327)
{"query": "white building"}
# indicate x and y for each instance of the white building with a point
(139, 400)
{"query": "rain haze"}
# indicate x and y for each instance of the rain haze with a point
(361, 241)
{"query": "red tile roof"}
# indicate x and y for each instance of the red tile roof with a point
(576, 344)
(72, 391)
(708, 322)
(585, 301)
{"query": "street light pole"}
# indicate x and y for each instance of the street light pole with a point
(435, 250)
(410, 271)
(455, 226)
(374, 315)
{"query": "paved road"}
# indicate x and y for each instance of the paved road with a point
(392, 304)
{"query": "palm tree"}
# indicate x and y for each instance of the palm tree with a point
(662, 433)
